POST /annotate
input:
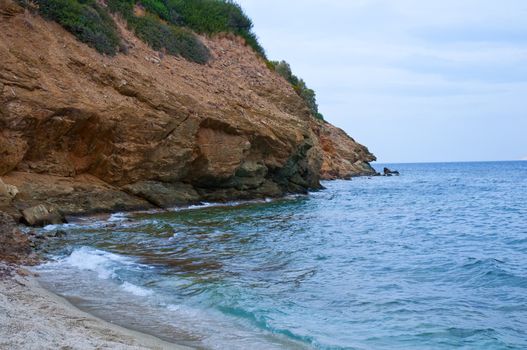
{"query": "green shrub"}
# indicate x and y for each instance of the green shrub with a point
(214, 16)
(159, 34)
(123, 7)
(308, 95)
(202, 16)
(156, 7)
(175, 40)
(160, 28)
(86, 20)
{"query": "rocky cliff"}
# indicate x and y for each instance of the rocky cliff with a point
(81, 132)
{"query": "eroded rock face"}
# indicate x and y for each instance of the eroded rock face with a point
(342, 156)
(79, 195)
(12, 150)
(14, 245)
(164, 195)
(88, 133)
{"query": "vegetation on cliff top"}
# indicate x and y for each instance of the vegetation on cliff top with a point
(165, 25)
(204, 16)
(308, 95)
(87, 20)
(159, 34)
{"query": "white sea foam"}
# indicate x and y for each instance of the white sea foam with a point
(204, 205)
(136, 290)
(183, 310)
(60, 226)
(200, 206)
(99, 261)
(50, 227)
(116, 217)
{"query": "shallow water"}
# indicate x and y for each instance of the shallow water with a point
(433, 259)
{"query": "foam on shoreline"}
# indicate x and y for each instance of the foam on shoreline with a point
(44, 320)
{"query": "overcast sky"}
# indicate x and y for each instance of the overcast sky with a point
(415, 81)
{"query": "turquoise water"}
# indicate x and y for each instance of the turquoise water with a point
(433, 259)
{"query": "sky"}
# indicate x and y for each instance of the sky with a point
(415, 81)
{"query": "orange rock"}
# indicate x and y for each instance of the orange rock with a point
(83, 125)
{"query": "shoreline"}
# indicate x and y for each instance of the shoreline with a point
(106, 216)
(33, 317)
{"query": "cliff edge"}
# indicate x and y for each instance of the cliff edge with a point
(82, 132)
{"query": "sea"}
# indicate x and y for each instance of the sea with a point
(435, 258)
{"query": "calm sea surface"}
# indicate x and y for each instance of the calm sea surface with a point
(433, 259)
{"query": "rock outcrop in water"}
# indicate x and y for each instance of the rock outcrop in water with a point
(389, 172)
(81, 132)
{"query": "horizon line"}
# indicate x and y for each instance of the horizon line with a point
(450, 161)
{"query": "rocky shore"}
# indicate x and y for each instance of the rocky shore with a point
(83, 133)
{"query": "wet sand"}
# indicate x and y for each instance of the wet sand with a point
(33, 318)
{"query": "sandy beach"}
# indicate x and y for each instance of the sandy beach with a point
(34, 318)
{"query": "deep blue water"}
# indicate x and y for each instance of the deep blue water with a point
(433, 259)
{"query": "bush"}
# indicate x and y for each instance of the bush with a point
(160, 27)
(308, 95)
(215, 16)
(202, 16)
(159, 34)
(86, 20)
(175, 40)
(156, 7)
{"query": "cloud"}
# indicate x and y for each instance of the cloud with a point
(413, 80)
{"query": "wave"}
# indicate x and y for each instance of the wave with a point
(105, 266)
(99, 261)
(136, 290)
(491, 272)
(118, 217)
(262, 323)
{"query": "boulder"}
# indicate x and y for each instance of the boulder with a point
(41, 215)
(8, 191)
